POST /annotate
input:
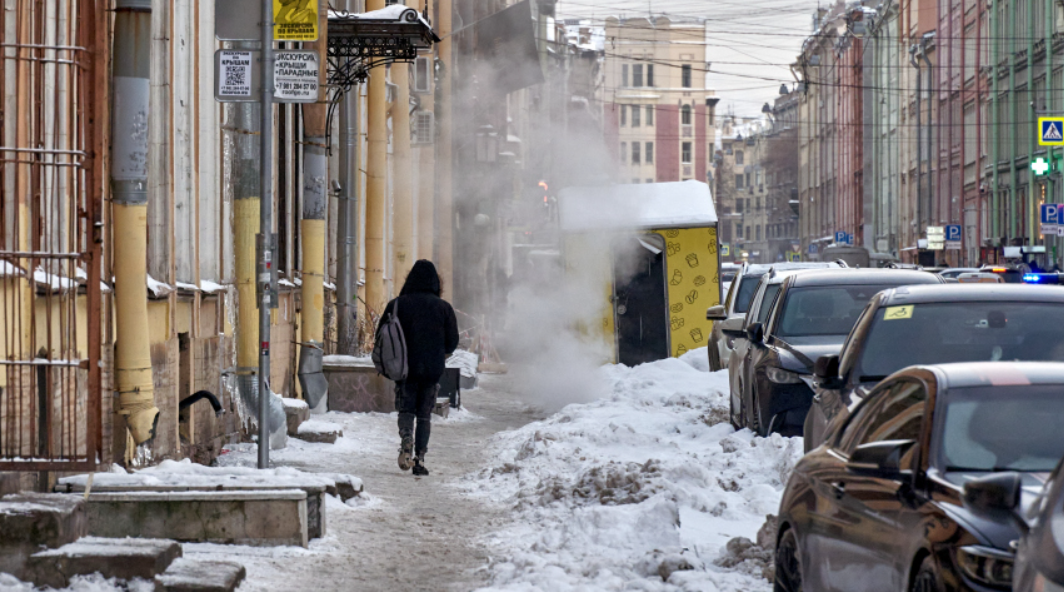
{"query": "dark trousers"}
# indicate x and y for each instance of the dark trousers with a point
(415, 399)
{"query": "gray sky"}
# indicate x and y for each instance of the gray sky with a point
(749, 43)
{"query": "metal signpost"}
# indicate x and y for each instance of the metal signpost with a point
(953, 237)
(289, 77)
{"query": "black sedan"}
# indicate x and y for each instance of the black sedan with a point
(936, 325)
(885, 504)
(1040, 557)
(808, 315)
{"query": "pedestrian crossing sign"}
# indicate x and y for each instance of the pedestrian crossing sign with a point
(1051, 131)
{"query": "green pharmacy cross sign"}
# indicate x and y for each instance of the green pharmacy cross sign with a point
(1040, 166)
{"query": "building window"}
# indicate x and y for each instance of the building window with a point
(758, 233)
(685, 76)
(624, 115)
(650, 74)
(748, 180)
(624, 75)
(739, 231)
(635, 152)
(635, 181)
(738, 182)
(650, 115)
(649, 180)
(637, 75)
(636, 110)
(649, 155)
(624, 151)
(739, 157)
(685, 152)
(685, 115)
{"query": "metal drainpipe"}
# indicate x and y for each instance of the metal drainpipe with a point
(995, 197)
(1031, 199)
(313, 231)
(929, 129)
(919, 145)
(129, 192)
(347, 259)
(246, 186)
(1013, 145)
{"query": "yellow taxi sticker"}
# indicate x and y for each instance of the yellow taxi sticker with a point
(895, 313)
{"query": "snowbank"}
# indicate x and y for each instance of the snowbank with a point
(642, 490)
(91, 583)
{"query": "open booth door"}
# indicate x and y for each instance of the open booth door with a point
(640, 302)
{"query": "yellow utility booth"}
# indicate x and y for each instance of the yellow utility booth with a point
(649, 251)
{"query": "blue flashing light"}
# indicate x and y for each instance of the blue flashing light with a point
(1041, 278)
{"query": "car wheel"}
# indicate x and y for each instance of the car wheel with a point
(788, 564)
(927, 579)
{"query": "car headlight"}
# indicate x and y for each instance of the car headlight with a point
(781, 376)
(1041, 584)
(986, 565)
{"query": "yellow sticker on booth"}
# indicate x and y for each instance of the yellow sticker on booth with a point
(295, 20)
(895, 313)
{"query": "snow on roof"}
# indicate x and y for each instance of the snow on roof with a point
(392, 12)
(649, 205)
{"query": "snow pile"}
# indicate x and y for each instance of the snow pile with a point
(644, 489)
(187, 474)
(465, 361)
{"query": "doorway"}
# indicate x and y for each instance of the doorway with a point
(640, 302)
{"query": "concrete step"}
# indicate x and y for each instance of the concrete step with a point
(296, 412)
(124, 559)
(258, 518)
(30, 521)
(321, 432)
(190, 575)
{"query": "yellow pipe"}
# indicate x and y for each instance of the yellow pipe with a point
(403, 222)
(312, 324)
(133, 371)
(247, 226)
(376, 183)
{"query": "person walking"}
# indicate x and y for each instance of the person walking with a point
(430, 330)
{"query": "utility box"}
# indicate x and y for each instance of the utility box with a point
(650, 253)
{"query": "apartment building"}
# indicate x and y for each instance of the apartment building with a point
(659, 114)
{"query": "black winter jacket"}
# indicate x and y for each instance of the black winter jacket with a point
(428, 321)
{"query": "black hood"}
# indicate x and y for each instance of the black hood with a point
(422, 278)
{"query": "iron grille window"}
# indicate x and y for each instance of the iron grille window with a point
(424, 127)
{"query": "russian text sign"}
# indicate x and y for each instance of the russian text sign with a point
(295, 76)
(295, 20)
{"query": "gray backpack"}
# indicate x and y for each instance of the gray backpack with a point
(389, 349)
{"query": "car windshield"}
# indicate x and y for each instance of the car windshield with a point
(940, 333)
(824, 310)
(1002, 428)
(747, 289)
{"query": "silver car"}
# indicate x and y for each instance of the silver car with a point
(728, 317)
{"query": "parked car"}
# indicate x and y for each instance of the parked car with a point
(793, 321)
(979, 277)
(935, 325)
(729, 316)
(880, 507)
(953, 272)
(854, 256)
(1040, 554)
(1009, 273)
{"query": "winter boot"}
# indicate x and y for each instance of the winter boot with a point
(406, 453)
(419, 466)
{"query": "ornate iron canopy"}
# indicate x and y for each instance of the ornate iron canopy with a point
(360, 42)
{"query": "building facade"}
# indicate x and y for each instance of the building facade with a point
(659, 114)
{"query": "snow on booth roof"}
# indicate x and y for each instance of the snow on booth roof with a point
(651, 205)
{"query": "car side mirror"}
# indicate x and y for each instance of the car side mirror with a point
(717, 313)
(881, 460)
(755, 332)
(994, 496)
(826, 371)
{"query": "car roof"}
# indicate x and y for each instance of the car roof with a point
(762, 268)
(972, 293)
(855, 276)
(971, 374)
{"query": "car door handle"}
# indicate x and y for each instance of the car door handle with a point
(840, 489)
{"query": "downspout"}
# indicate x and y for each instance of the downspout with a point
(1032, 201)
(313, 232)
(995, 196)
(129, 194)
(246, 212)
(919, 137)
(347, 259)
(929, 129)
(1050, 25)
(1013, 144)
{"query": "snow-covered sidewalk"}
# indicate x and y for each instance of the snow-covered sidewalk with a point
(639, 491)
